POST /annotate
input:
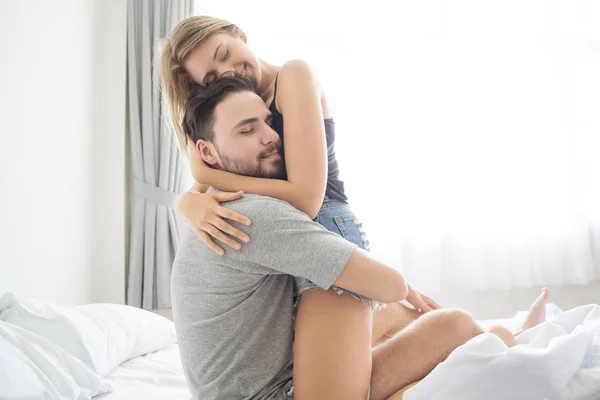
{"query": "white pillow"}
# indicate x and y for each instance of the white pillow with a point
(32, 367)
(102, 336)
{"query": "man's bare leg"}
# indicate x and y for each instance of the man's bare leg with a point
(414, 352)
(504, 334)
(392, 319)
(536, 315)
(398, 395)
(537, 311)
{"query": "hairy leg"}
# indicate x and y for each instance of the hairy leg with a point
(389, 352)
(502, 332)
(399, 394)
(535, 316)
(332, 349)
(414, 352)
(392, 319)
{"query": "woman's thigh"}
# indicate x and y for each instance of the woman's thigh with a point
(337, 217)
(332, 344)
(332, 348)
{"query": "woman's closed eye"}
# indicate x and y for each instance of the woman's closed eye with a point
(209, 78)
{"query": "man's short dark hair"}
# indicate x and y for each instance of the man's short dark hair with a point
(199, 117)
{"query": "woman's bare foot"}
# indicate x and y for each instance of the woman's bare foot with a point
(537, 311)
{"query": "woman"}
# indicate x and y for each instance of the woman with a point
(334, 332)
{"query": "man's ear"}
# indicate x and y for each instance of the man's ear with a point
(241, 34)
(207, 152)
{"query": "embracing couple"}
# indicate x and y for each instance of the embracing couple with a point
(299, 309)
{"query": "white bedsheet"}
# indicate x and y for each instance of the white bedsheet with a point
(560, 359)
(153, 376)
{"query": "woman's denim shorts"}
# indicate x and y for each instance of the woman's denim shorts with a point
(337, 217)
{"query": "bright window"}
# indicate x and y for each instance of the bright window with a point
(468, 132)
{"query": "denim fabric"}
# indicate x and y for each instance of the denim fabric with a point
(337, 217)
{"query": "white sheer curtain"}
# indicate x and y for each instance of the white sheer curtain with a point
(156, 164)
(468, 131)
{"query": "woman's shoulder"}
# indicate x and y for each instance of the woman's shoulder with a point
(295, 78)
(297, 82)
(294, 70)
(295, 65)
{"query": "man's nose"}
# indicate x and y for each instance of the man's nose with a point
(269, 136)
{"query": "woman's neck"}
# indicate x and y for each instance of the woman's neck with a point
(267, 84)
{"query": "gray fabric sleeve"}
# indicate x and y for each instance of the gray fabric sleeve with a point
(286, 241)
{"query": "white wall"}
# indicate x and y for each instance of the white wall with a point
(62, 165)
(505, 303)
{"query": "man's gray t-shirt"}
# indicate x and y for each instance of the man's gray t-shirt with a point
(234, 313)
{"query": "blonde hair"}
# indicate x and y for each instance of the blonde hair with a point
(175, 81)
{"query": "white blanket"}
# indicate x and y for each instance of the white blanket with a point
(559, 359)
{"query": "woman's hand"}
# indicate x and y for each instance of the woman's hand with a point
(419, 301)
(204, 214)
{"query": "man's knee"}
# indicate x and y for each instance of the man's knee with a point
(457, 324)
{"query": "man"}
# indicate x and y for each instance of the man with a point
(234, 314)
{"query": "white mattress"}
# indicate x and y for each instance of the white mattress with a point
(153, 376)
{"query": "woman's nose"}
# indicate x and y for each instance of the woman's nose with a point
(227, 73)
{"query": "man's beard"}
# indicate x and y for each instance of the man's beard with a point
(276, 169)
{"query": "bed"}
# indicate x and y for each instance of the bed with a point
(159, 375)
(156, 375)
(116, 352)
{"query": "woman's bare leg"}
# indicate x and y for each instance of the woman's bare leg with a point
(332, 349)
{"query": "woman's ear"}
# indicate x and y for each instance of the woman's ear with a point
(241, 34)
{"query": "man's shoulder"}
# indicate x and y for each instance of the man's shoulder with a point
(191, 248)
(263, 211)
(256, 206)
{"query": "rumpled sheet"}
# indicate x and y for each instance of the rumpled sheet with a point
(559, 359)
(155, 376)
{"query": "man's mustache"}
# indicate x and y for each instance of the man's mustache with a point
(270, 149)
